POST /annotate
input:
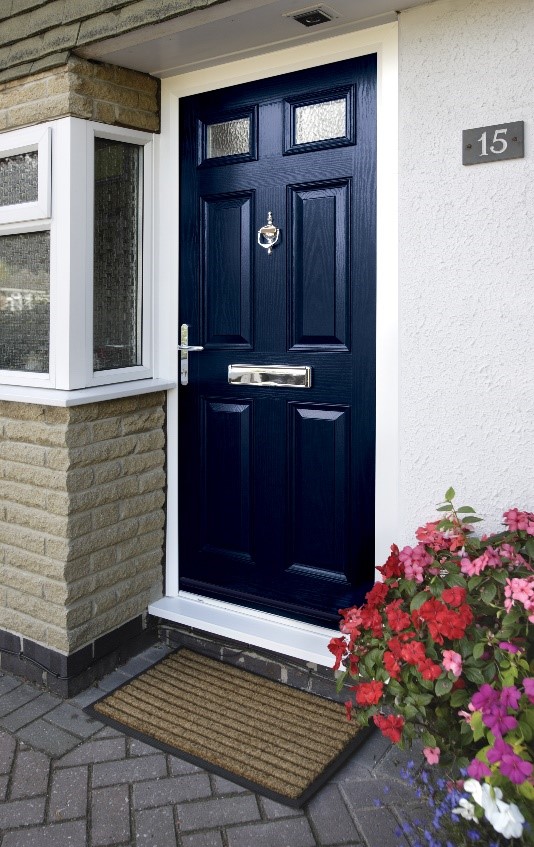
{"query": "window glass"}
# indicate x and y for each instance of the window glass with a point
(320, 121)
(230, 138)
(117, 306)
(25, 301)
(18, 179)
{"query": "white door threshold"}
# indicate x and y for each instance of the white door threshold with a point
(260, 629)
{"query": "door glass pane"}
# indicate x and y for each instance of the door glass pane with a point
(18, 179)
(320, 121)
(230, 138)
(25, 301)
(117, 264)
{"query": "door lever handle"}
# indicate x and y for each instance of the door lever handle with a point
(185, 349)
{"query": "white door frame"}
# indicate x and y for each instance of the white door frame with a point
(273, 632)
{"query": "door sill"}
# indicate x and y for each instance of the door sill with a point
(259, 629)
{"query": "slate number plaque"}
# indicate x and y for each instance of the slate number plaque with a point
(493, 143)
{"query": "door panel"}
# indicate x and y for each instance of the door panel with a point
(277, 483)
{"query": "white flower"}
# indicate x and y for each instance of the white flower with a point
(466, 809)
(507, 820)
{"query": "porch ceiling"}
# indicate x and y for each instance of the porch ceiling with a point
(234, 29)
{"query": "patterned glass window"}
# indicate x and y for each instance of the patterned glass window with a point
(320, 121)
(117, 304)
(18, 179)
(231, 138)
(25, 301)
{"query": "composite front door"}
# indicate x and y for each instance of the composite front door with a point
(277, 284)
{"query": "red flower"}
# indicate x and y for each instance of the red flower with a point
(428, 669)
(443, 622)
(453, 596)
(391, 665)
(353, 664)
(393, 565)
(397, 619)
(458, 683)
(368, 693)
(372, 619)
(376, 596)
(337, 646)
(391, 726)
(413, 653)
(348, 709)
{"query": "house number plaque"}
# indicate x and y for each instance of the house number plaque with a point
(492, 143)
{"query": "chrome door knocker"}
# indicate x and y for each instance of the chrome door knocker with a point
(269, 233)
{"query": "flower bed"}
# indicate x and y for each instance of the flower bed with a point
(442, 650)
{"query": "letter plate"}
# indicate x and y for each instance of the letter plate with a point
(270, 376)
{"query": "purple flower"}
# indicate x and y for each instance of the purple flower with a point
(498, 721)
(509, 647)
(528, 685)
(478, 769)
(515, 768)
(499, 749)
(485, 698)
(510, 697)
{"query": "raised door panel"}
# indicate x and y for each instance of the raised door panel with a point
(227, 270)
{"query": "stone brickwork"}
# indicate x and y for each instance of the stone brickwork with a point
(81, 517)
(82, 89)
(39, 34)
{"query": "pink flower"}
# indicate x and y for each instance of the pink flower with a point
(509, 647)
(415, 560)
(489, 559)
(431, 754)
(510, 697)
(528, 685)
(520, 591)
(519, 521)
(452, 661)
(515, 768)
(478, 769)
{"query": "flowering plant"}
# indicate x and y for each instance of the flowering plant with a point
(442, 651)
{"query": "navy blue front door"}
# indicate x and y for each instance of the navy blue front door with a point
(277, 483)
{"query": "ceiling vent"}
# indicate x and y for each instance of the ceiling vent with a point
(312, 17)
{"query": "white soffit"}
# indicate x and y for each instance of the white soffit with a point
(234, 29)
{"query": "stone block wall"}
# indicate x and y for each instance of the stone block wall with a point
(82, 491)
(82, 89)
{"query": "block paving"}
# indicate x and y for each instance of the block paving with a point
(67, 780)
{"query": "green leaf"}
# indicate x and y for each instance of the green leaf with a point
(459, 698)
(489, 671)
(529, 547)
(443, 508)
(465, 510)
(428, 739)
(443, 686)
(477, 726)
(418, 600)
(450, 494)
(526, 729)
(474, 675)
(527, 790)
(488, 592)
(478, 650)
(474, 582)
(475, 520)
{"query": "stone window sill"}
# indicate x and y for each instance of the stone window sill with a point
(56, 397)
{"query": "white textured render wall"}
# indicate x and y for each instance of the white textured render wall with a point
(466, 261)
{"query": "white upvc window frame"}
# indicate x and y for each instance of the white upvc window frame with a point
(145, 369)
(15, 143)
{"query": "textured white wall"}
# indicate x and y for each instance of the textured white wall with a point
(466, 261)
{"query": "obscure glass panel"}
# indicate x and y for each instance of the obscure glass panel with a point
(320, 121)
(117, 264)
(25, 301)
(18, 179)
(228, 139)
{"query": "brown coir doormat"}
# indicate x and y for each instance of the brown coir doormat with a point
(271, 738)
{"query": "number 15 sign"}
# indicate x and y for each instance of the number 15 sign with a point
(492, 143)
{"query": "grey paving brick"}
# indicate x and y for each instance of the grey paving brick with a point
(16, 698)
(180, 766)
(155, 828)
(365, 759)
(22, 813)
(368, 793)
(112, 681)
(68, 795)
(379, 827)
(139, 748)
(219, 811)
(108, 732)
(103, 750)
(30, 712)
(278, 810)
(86, 698)
(212, 838)
(292, 832)
(129, 770)
(51, 739)
(176, 789)
(8, 683)
(73, 720)
(30, 774)
(224, 786)
(3, 786)
(328, 814)
(59, 835)
(111, 816)
(7, 752)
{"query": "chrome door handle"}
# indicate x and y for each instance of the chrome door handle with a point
(268, 235)
(185, 349)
